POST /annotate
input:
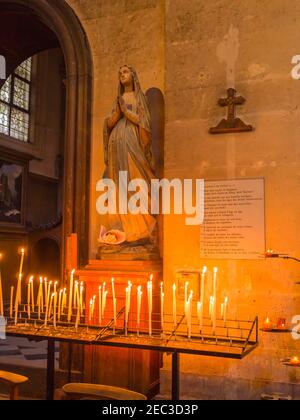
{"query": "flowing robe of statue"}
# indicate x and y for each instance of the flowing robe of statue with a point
(128, 147)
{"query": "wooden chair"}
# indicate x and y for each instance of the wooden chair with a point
(14, 381)
(78, 391)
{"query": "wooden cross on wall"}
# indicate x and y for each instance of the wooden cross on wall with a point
(231, 124)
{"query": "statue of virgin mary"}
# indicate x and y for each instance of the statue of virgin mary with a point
(128, 147)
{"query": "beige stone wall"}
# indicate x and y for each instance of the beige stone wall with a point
(248, 45)
(120, 32)
(193, 50)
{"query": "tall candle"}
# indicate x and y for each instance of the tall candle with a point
(71, 295)
(11, 301)
(114, 301)
(199, 314)
(40, 298)
(19, 288)
(46, 289)
(149, 290)
(60, 304)
(162, 297)
(76, 295)
(103, 299)
(100, 304)
(1, 292)
(225, 309)
(18, 297)
(50, 306)
(64, 301)
(190, 308)
(32, 293)
(81, 298)
(90, 311)
(174, 308)
(185, 293)
(215, 300)
(55, 308)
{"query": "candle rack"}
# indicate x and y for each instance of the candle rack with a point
(232, 336)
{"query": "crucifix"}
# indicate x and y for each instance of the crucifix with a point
(232, 124)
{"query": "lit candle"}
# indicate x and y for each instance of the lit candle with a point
(215, 296)
(17, 298)
(46, 289)
(114, 302)
(40, 298)
(139, 304)
(162, 296)
(32, 294)
(50, 306)
(19, 288)
(28, 297)
(268, 326)
(64, 301)
(55, 308)
(71, 295)
(174, 308)
(202, 296)
(149, 290)
(199, 313)
(81, 298)
(90, 311)
(1, 291)
(76, 295)
(11, 301)
(189, 314)
(295, 360)
(186, 285)
(103, 298)
(100, 304)
(225, 309)
(211, 300)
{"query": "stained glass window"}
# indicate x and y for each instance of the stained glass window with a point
(15, 103)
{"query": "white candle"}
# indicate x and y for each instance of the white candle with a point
(139, 304)
(32, 293)
(174, 308)
(11, 301)
(40, 298)
(90, 311)
(1, 292)
(46, 289)
(28, 297)
(50, 306)
(185, 292)
(199, 314)
(162, 297)
(100, 304)
(114, 302)
(60, 304)
(215, 300)
(225, 309)
(71, 295)
(202, 296)
(19, 287)
(103, 299)
(64, 301)
(190, 308)
(55, 308)
(149, 290)
(18, 298)
(81, 298)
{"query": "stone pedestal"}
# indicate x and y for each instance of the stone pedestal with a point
(133, 369)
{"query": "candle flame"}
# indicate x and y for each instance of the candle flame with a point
(73, 272)
(216, 270)
(204, 270)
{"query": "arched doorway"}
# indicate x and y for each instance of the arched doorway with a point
(60, 19)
